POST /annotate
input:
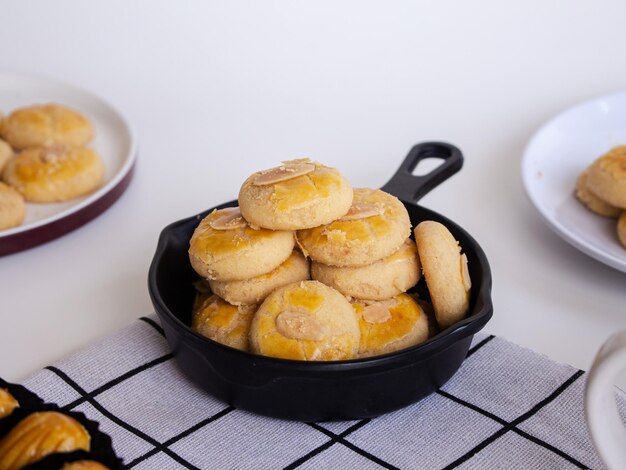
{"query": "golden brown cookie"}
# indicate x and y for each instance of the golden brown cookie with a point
(307, 321)
(445, 271)
(380, 280)
(607, 177)
(390, 325)
(12, 207)
(225, 248)
(621, 229)
(7, 403)
(298, 194)
(6, 152)
(48, 124)
(84, 465)
(54, 174)
(39, 434)
(254, 290)
(222, 322)
(376, 225)
(591, 201)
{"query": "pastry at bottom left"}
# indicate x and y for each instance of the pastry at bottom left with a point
(37, 435)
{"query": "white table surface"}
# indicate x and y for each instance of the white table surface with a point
(217, 90)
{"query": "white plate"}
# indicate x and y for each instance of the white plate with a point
(114, 142)
(555, 156)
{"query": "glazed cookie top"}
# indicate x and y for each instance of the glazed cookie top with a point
(390, 325)
(46, 124)
(298, 194)
(375, 226)
(39, 434)
(224, 247)
(614, 162)
(222, 322)
(54, 173)
(307, 321)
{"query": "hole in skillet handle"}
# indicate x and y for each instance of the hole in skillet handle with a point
(409, 187)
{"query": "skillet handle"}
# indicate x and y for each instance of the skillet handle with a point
(409, 187)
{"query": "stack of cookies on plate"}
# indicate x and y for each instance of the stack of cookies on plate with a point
(44, 158)
(309, 268)
(601, 187)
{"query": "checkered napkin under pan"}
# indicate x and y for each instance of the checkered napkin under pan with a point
(506, 407)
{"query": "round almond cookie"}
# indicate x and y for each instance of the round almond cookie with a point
(607, 177)
(224, 247)
(376, 225)
(254, 290)
(12, 207)
(222, 322)
(6, 152)
(298, 194)
(43, 125)
(591, 201)
(445, 271)
(307, 321)
(621, 229)
(56, 173)
(380, 280)
(390, 325)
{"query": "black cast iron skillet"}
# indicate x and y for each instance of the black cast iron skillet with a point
(317, 391)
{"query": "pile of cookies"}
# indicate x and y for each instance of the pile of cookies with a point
(601, 187)
(309, 268)
(44, 158)
(34, 434)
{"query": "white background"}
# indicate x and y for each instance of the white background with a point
(216, 91)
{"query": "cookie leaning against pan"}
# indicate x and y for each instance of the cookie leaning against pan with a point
(298, 194)
(376, 225)
(445, 271)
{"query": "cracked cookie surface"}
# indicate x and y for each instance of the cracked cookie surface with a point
(306, 321)
(296, 195)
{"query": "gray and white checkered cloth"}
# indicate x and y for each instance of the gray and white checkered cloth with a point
(506, 408)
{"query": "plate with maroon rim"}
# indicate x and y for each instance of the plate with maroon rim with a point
(114, 141)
